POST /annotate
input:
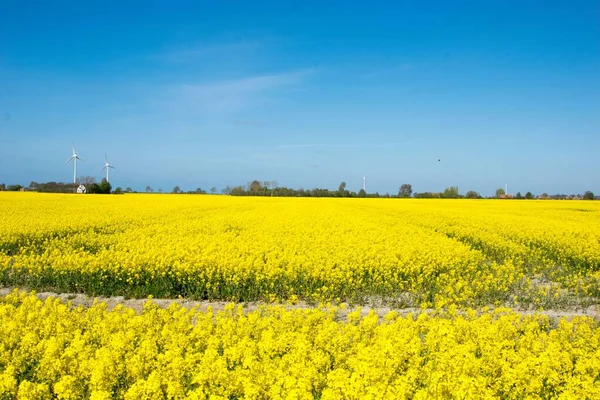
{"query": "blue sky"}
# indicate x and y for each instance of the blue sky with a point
(203, 94)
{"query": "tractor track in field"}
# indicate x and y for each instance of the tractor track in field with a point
(80, 299)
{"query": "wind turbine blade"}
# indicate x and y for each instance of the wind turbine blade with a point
(110, 166)
(105, 158)
(70, 158)
(74, 151)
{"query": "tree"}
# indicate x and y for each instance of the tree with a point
(500, 192)
(105, 186)
(471, 194)
(119, 190)
(588, 195)
(342, 190)
(519, 195)
(128, 189)
(528, 195)
(226, 190)
(362, 193)
(14, 188)
(405, 190)
(213, 190)
(86, 180)
(238, 191)
(94, 188)
(2, 187)
(451, 192)
(176, 190)
(255, 187)
(149, 189)
(160, 190)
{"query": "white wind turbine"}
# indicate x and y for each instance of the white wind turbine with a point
(107, 166)
(74, 157)
(365, 183)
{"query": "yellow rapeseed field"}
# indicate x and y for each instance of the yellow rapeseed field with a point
(408, 252)
(457, 256)
(51, 350)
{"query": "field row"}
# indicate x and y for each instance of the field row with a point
(406, 252)
(51, 350)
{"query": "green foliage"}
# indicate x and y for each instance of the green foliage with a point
(105, 187)
(54, 187)
(255, 187)
(500, 192)
(528, 195)
(342, 192)
(405, 190)
(471, 194)
(94, 188)
(451, 192)
(427, 195)
(588, 195)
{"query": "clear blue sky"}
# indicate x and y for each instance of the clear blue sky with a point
(202, 94)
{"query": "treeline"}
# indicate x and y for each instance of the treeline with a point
(47, 187)
(256, 188)
(269, 188)
(53, 187)
(91, 187)
(10, 188)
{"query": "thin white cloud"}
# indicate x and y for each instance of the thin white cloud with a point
(232, 95)
(203, 51)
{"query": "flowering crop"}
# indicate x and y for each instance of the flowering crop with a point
(411, 252)
(51, 349)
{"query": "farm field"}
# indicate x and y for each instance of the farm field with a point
(407, 253)
(467, 269)
(51, 350)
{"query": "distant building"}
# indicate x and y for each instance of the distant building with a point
(81, 189)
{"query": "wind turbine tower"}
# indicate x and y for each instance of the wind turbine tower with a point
(365, 183)
(107, 166)
(74, 157)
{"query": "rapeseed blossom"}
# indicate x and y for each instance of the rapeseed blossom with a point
(50, 349)
(409, 252)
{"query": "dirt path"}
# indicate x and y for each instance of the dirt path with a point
(78, 299)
